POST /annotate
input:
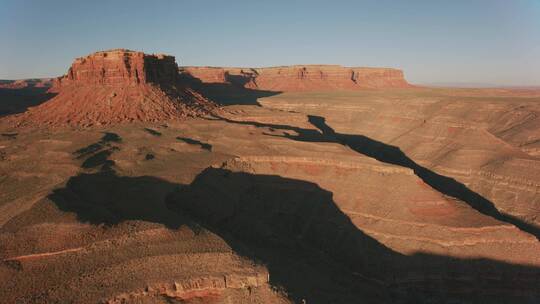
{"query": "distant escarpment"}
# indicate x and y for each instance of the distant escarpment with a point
(26, 83)
(301, 77)
(16, 96)
(117, 86)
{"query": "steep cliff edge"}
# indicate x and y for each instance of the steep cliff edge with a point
(117, 86)
(301, 77)
(120, 67)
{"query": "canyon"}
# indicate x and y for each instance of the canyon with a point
(133, 180)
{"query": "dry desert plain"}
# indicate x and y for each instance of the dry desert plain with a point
(132, 181)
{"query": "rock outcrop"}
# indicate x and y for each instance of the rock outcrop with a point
(120, 67)
(117, 86)
(301, 77)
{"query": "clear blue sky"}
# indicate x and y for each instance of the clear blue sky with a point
(473, 41)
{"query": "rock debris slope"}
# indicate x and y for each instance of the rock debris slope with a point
(117, 86)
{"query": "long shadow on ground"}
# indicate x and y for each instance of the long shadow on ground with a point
(232, 92)
(14, 101)
(294, 227)
(445, 185)
(106, 198)
(393, 155)
(314, 250)
(310, 247)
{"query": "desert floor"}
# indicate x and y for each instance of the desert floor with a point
(396, 196)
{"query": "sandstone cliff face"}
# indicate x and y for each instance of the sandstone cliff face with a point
(117, 86)
(302, 77)
(379, 78)
(120, 67)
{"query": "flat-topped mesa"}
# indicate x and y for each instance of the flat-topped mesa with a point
(117, 86)
(26, 83)
(302, 77)
(124, 67)
(379, 78)
(121, 67)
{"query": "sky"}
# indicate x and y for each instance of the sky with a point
(492, 42)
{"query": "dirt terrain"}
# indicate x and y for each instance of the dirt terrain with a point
(365, 195)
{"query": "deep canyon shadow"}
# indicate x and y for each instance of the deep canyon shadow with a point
(448, 186)
(101, 196)
(232, 92)
(106, 198)
(313, 249)
(294, 227)
(15, 101)
(393, 155)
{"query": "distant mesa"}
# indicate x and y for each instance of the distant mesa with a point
(117, 86)
(301, 77)
(16, 96)
(26, 83)
(121, 85)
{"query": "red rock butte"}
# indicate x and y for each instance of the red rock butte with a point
(117, 86)
(121, 67)
(302, 77)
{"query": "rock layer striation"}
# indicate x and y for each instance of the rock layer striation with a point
(120, 67)
(301, 77)
(117, 86)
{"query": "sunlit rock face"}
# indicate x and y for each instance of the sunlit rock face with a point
(117, 86)
(120, 67)
(302, 77)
